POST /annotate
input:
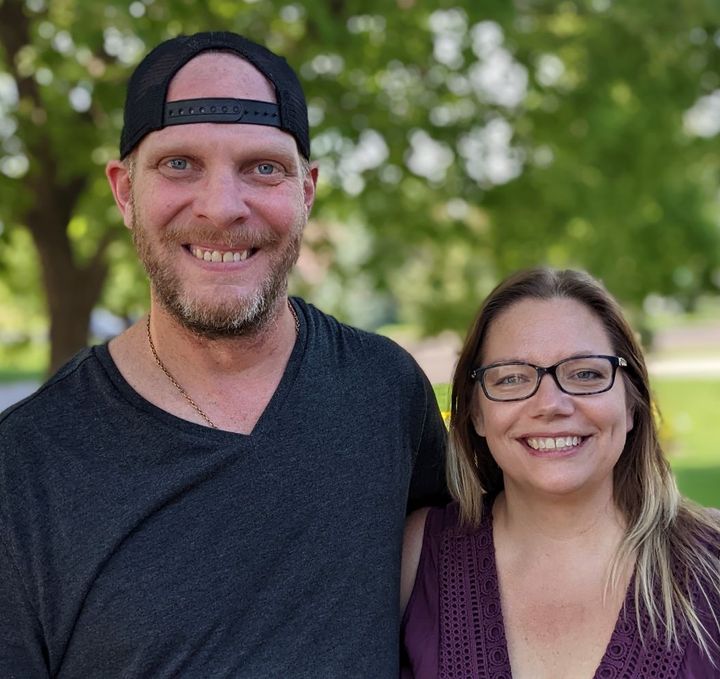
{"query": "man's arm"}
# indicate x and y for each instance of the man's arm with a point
(428, 486)
(21, 648)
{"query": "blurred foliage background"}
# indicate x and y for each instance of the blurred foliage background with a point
(457, 141)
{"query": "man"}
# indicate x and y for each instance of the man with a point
(221, 490)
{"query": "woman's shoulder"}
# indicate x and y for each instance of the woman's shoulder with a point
(430, 527)
(424, 527)
(705, 527)
(440, 519)
(450, 518)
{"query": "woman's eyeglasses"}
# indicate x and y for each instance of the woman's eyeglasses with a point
(577, 376)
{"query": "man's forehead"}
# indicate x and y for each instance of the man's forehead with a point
(221, 75)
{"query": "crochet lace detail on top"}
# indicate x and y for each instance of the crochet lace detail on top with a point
(472, 633)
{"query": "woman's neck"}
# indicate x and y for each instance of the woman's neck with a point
(591, 521)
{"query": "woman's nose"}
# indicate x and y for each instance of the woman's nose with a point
(549, 399)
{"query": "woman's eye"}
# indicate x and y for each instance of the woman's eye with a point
(512, 379)
(177, 164)
(587, 375)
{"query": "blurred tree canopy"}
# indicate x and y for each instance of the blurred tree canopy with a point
(457, 141)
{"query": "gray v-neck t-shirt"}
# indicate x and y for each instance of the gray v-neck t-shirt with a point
(137, 544)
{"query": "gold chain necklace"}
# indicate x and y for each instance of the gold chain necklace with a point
(177, 385)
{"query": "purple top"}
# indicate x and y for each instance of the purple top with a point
(453, 624)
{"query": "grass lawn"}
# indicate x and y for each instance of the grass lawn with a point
(690, 430)
(19, 375)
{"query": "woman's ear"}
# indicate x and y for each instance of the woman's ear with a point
(477, 421)
(476, 415)
(629, 418)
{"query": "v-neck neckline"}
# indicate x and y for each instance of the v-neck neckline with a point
(268, 415)
(623, 640)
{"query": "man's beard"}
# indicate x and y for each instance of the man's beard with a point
(241, 316)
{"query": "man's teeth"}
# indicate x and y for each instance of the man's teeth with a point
(555, 443)
(220, 255)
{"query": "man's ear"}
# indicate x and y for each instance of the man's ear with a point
(118, 175)
(310, 186)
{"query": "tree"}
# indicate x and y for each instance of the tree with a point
(455, 143)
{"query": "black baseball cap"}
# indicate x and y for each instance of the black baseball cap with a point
(146, 109)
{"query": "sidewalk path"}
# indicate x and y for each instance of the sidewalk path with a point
(438, 362)
(437, 358)
(15, 391)
(685, 367)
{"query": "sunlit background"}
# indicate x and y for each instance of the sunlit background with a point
(457, 142)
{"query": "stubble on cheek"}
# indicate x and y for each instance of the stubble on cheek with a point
(215, 318)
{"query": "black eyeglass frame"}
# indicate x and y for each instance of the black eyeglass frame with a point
(615, 361)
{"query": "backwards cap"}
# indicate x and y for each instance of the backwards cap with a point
(146, 109)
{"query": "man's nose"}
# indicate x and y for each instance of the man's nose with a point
(222, 198)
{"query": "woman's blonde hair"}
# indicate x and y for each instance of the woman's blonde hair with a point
(675, 544)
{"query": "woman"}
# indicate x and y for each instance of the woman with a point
(569, 552)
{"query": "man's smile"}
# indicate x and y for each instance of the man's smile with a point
(213, 255)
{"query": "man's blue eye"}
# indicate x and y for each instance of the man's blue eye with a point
(266, 168)
(178, 163)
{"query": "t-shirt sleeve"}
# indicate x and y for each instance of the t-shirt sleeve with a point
(21, 648)
(428, 487)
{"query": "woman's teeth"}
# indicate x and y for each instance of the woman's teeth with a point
(554, 443)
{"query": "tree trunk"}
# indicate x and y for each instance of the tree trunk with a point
(71, 288)
(71, 293)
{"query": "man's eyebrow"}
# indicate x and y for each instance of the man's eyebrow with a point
(259, 148)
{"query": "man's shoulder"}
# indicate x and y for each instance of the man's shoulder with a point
(56, 394)
(37, 430)
(356, 341)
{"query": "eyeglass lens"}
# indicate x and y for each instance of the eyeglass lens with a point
(576, 376)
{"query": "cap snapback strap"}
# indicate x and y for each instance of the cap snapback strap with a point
(218, 110)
